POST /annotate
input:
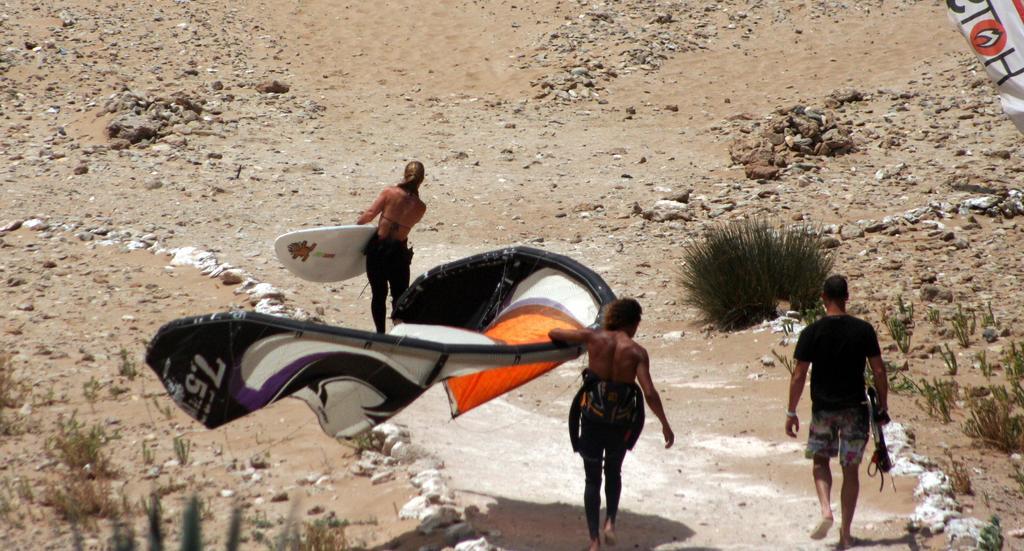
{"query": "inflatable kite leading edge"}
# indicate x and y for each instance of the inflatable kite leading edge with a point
(479, 325)
(995, 31)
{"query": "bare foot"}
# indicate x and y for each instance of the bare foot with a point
(821, 529)
(609, 534)
(595, 545)
(846, 542)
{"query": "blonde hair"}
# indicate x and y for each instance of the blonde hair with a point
(413, 177)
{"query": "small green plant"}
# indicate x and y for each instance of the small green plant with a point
(323, 535)
(988, 318)
(899, 333)
(11, 390)
(939, 398)
(813, 313)
(991, 420)
(990, 538)
(788, 326)
(1013, 362)
(949, 358)
(934, 315)
(147, 454)
(981, 357)
(905, 309)
(900, 383)
(166, 411)
(737, 272)
(91, 391)
(127, 366)
(1018, 476)
(787, 361)
(963, 326)
(81, 500)
(81, 448)
(959, 477)
(182, 449)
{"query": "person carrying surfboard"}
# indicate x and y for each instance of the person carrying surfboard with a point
(835, 347)
(388, 255)
(607, 414)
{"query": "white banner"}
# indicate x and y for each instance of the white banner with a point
(995, 30)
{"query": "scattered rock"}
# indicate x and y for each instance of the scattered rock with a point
(934, 293)
(664, 211)
(272, 87)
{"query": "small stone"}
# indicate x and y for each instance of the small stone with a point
(934, 293)
(10, 226)
(272, 87)
(990, 334)
(279, 497)
(767, 361)
(232, 276)
(81, 169)
(761, 171)
(259, 461)
(227, 493)
(316, 510)
(382, 477)
(672, 107)
(851, 231)
(459, 532)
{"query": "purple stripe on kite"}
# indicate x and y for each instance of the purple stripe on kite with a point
(253, 399)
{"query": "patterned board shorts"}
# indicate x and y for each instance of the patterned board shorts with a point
(841, 432)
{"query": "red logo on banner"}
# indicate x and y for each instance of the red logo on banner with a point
(988, 37)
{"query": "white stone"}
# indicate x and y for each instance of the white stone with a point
(435, 517)
(984, 202)
(476, 545)
(414, 508)
(665, 210)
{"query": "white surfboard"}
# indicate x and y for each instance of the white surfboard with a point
(333, 253)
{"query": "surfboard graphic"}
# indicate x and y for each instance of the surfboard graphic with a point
(478, 325)
(333, 253)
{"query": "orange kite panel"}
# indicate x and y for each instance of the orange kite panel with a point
(525, 325)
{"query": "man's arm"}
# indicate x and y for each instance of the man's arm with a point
(796, 388)
(643, 377)
(571, 336)
(881, 382)
(378, 205)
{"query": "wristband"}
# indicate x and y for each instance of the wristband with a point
(791, 414)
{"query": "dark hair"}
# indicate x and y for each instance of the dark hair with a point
(413, 177)
(835, 288)
(622, 313)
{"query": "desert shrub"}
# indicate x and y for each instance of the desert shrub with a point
(81, 448)
(736, 274)
(81, 500)
(992, 420)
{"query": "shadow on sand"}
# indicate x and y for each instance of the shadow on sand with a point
(526, 526)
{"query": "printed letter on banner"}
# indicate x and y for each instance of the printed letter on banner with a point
(995, 31)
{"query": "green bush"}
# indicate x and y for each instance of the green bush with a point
(736, 274)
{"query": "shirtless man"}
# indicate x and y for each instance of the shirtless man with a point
(388, 255)
(609, 401)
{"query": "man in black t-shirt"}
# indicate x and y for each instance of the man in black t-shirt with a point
(835, 347)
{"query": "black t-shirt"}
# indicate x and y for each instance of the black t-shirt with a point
(836, 347)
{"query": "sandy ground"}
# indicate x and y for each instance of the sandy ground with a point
(509, 161)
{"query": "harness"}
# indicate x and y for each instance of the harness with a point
(880, 461)
(610, 403)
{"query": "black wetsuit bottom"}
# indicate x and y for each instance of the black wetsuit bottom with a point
(387, 265)
(599, 444)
